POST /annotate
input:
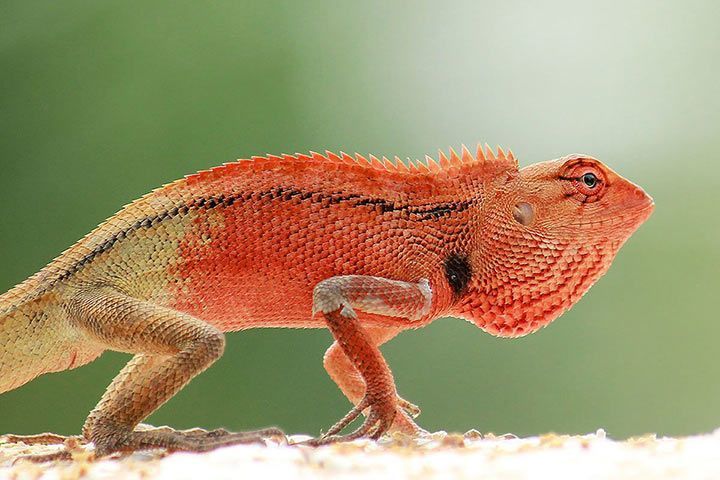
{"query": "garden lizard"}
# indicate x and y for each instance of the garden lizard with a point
(364, 247)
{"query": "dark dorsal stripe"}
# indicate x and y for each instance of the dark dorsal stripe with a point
(426, 211)
(429, 211)
(458, 272)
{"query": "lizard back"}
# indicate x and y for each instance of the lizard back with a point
(218, 223)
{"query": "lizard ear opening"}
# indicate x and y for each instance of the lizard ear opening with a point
(524, 213)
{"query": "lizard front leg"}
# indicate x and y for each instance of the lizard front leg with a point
(337, 298)
(170, 349)
(346, 376)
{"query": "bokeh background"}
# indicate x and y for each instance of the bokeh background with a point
(102, 101)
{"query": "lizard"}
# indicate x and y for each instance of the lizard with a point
(365, 247)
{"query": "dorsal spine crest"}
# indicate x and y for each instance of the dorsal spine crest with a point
(491, 162)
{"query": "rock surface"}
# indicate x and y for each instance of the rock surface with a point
(443, 456)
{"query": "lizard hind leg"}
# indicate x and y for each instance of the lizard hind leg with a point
(36, 337)
(170, 349)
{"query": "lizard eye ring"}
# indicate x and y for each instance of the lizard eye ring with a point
(587, 181)
(590, 180)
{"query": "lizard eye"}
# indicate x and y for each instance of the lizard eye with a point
(589, 184)
(590, 180)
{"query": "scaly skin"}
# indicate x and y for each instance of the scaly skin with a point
(365, 248)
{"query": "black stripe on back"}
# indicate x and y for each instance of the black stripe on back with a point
(428, 211)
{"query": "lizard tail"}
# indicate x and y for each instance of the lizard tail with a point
(35, 338)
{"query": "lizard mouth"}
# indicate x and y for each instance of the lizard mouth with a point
(646, 211)
(628, 219)
(640, 198)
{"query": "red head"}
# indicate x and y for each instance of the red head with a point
(546, 233)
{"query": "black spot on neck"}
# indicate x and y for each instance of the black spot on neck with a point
(458, 272)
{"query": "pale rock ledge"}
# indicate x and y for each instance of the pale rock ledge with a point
(444, 456)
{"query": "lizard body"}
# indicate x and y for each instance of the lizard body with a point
(366, 248)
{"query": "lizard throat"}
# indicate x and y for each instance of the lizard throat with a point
(514, 303)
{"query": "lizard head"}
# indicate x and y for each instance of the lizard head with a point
(547, 233)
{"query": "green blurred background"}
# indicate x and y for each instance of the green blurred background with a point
(102, 101)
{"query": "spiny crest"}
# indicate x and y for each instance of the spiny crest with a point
(484, 158)
(491, 161)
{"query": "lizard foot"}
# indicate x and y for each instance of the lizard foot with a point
(63, 454)
(38, 439)
(193, 440)
(378, 420)
(218, 433)
(72, 445)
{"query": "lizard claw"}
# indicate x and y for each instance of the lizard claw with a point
(378, 420)
(409, 408)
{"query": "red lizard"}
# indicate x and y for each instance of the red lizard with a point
(366, 248)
